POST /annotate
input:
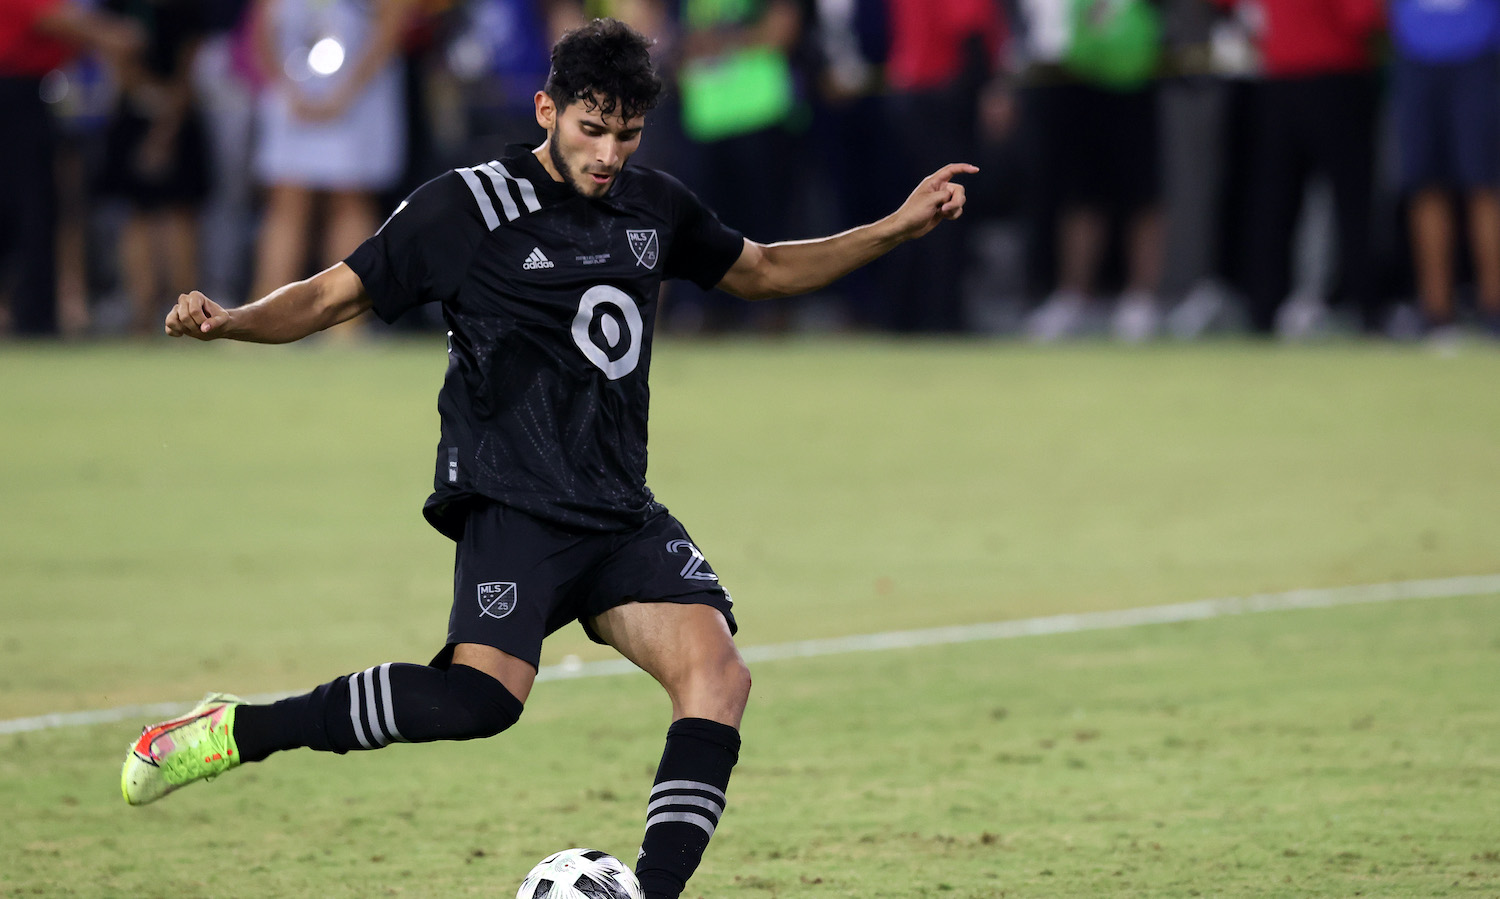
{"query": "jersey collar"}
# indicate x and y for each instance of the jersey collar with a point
(521, 160)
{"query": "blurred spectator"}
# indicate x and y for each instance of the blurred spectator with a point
(156, 159)
(498, 56)
(1093, 102)
(1313, 113)
(852, 147)
(738, 96)
(36, 37)
(1446, 94)
(87, 97)
(332, 126)
(663, 145)
(225, 79)
(1199, 99)
(941, 55)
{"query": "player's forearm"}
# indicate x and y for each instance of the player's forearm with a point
(802, 266)
(287, 314)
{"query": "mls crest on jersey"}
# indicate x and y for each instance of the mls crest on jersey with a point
(497, 599)
(645, 246)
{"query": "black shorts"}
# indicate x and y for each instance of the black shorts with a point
(517, 579)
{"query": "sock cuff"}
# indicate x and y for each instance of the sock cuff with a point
(473, 682)
(720, 735)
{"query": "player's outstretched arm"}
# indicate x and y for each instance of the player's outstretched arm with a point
(764, 271)
(289, 313)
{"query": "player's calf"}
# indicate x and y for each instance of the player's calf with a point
(390, 703)
(689, 794)
(687, 801)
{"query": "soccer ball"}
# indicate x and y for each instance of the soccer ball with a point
(580, 874)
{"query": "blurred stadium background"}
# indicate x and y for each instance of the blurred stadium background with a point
(1150, 167)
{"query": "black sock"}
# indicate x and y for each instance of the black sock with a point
(390, 703)
(686, 803)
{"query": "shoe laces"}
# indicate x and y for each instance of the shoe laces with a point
(208, 755)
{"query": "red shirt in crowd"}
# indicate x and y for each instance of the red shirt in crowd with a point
(23, 52)
(1316, 37)
(926, 38)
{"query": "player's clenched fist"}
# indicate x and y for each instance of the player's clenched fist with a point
(195, 315)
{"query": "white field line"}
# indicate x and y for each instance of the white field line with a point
(1316, 598)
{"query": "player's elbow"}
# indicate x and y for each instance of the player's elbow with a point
(772, 282)
(336, 295)
(765, 292)
(762, 273)
(335, 310)
(750, 288)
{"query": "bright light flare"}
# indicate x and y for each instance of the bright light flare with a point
(326, 56)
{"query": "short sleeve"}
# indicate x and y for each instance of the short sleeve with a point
(703, 248)
(422, 252)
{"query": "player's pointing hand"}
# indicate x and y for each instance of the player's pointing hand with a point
(195, 315)
(938, 197)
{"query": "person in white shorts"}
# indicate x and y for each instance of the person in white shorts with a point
(331, 126)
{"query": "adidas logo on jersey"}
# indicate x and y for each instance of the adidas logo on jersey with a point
(536, 260)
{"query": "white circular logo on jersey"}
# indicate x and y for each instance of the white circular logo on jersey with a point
(599, 331)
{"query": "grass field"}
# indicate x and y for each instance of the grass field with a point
(180, 518)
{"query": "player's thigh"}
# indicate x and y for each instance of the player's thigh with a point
(688, 649)
(657, 600)
(657, 563)
(668, 640)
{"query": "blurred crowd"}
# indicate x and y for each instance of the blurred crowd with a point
(1148, 167)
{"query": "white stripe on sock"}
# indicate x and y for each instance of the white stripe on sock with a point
(687, 785)
(684, 817)
(359, 731)
(390, 705)
(372, 717)
(699, 801)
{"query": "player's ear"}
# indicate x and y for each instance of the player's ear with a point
(546, 110)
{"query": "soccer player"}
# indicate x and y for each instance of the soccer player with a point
(547, 264)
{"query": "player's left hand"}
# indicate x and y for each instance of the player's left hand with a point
(937, 198)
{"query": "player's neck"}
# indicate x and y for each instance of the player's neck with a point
(543, 155)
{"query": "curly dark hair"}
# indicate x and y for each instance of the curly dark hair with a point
(607, 65)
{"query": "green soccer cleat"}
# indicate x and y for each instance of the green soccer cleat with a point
(175, 753)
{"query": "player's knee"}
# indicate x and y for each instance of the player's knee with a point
(488, 707)
(737, 680)
(723, 684)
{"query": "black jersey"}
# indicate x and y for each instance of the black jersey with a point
(550, 301)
